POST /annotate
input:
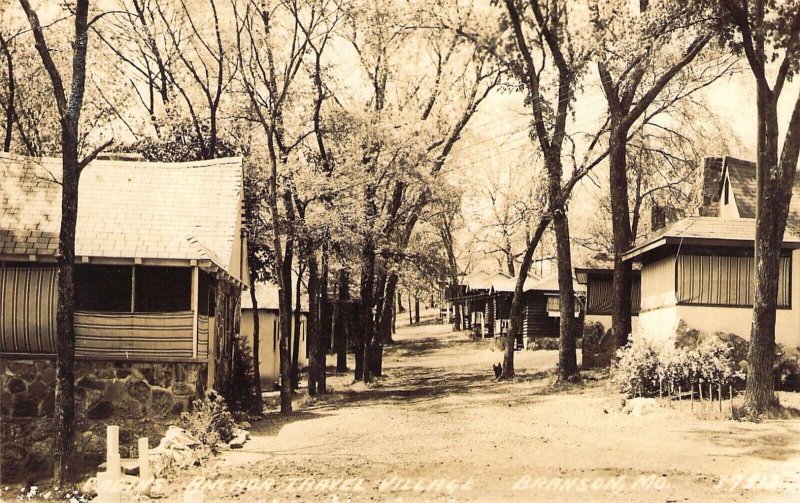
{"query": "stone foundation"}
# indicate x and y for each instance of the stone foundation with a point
(143, 398)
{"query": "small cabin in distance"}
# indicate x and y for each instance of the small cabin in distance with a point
(269, 364)
(598, 282)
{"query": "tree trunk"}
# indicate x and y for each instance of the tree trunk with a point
(367, 307)
(342, 322)
(516, 319)
(325, 324)
(64, 413)
(298, 308)
(384, 335)
(396, 300)
(416, 310)
(622, 236)
(567, 357)
(312, 330)
(285, 323)
(357, 336)
(410, 311)
(10, 102)
(259, 404)
(773, 194)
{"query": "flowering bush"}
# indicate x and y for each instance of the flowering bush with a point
(642, 370)
(636, 371)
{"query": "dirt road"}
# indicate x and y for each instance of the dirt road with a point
(437, 428)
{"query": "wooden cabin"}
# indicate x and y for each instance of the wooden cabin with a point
(160, 259)
(269, 363)
(598, 282)
(482, 303)
(541, 309)
(699, 271)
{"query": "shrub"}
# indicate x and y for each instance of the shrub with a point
(636, 371)
(643, 370)
(210, 421)
(786, 370)
(242, 395)
(547, 343)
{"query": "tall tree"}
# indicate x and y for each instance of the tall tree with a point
(641, 50)
(546, 25)
(69, 112)
(768, 34)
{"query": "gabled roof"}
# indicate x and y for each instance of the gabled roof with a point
(126, 210)
(549, 284)
(742, 176)
(582, 273)
(707, 231)
(267, 297)
(484, 281)
(508, 284)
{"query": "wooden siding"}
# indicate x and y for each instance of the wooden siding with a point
(537, 323)
(598, 295)
(658, 284)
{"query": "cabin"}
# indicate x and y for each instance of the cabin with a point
(161, 262)
(482, 303)
(598, 282)
(699, 272)
(269, 364)
(542, 311)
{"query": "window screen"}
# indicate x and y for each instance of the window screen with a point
(725, 281)
(163, 289)
(102, 288)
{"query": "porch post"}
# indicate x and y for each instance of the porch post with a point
(195, 285)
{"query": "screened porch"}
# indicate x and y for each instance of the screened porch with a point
(121, 311)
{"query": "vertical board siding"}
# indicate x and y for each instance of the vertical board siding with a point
(658, 284)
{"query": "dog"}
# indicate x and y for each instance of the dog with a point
(498, 369)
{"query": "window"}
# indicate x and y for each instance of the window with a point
(102, 288)
(163, 289)
(554, 306)
(725, 281)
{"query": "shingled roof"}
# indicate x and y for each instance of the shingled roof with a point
(707, 231)
(126, 210)
(743, 184)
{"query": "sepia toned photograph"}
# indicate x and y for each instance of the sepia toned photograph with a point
(353, 251)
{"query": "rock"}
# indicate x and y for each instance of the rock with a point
(25, 370)
(245, 425)
(102, 410)
(88, 382)
(38, 389)
(160, 403)
(15, 385)
(640, 406)
(239, 438)
(25, 406)
(138, 390)
(181, 388)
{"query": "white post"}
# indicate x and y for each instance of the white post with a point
(112, 441)
(194, 496)
(195, 287)
(144, 460)
(108, 488)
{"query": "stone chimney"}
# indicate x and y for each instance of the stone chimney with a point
(658, 217)
(711, 186)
